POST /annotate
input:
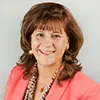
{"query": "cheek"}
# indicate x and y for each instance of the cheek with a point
(34, 44)
(62, 46)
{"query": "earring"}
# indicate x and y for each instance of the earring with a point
(67, 47)
(30, 52)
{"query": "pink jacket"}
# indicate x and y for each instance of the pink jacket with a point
(79, 88)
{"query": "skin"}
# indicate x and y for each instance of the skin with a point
(48, 48)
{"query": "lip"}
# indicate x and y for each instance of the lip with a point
(47, 52)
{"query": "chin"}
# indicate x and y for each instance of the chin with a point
(47, 64)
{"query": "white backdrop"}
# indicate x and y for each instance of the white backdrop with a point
(87, 13)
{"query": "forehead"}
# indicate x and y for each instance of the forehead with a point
(50, 25)
(49, 31)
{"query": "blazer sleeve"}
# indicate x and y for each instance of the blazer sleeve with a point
(93, 93)
(9, 86)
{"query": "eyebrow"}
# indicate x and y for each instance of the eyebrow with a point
(57, 32)
(50, 32)
(38, 31)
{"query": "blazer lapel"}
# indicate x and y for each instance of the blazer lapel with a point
(21, 88)
(57, 91)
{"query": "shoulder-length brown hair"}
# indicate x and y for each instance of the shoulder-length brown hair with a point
(51, 16)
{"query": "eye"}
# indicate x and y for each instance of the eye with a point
(56, 36)
(39, 34)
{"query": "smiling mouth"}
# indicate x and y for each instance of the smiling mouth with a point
(46, 52)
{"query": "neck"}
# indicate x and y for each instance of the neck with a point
(46, 72)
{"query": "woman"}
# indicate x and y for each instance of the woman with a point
(48, 68)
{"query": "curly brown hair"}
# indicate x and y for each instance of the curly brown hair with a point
(51, 16)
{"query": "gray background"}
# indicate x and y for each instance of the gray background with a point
(87, 13)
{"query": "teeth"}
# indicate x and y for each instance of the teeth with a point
(47, 52)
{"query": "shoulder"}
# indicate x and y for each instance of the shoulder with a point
(84, 79)
(16, 72)
(15, 76)
(17, 69)
(14, 83)
(85, 86)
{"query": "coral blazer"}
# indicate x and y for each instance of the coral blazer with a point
(80, 87)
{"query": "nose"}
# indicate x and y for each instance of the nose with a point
(48, 42)
(48, 45)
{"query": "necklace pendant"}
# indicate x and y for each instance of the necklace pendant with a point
(41, 89)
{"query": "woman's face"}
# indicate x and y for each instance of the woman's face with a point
(49, 46)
